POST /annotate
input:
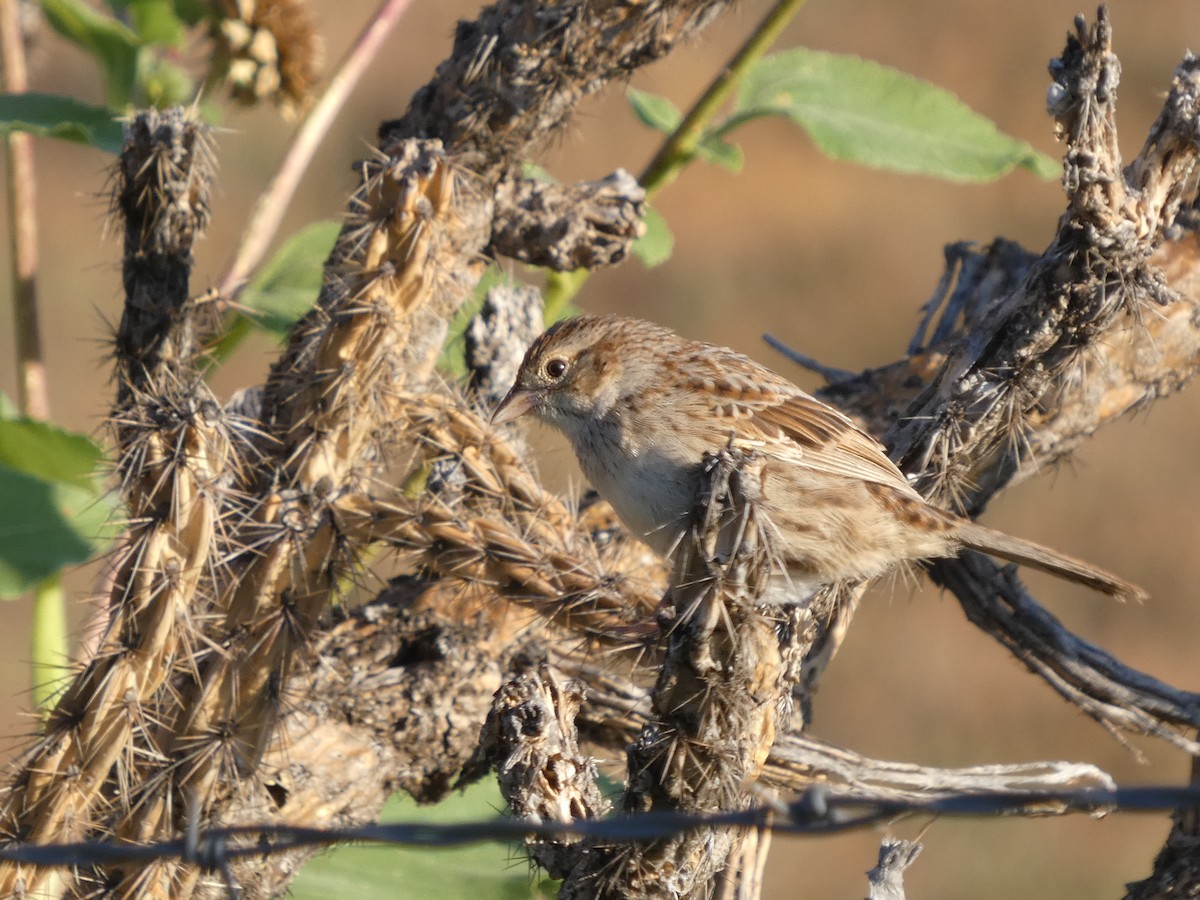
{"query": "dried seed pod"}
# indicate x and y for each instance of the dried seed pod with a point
(269, 50)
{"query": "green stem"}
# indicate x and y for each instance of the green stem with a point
(679, 149)
(561, 288)
(49, 643)
(49, 628)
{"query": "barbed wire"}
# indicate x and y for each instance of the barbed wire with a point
(819, 810)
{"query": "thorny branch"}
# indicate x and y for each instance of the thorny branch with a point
(565, 227)
(717, 702)
(1034, 362)
(248, 527)
(1023, 352)
(231, 572)
(969, 429)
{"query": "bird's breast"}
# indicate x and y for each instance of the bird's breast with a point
(652, 485)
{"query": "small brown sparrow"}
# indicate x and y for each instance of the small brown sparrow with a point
(642, 407)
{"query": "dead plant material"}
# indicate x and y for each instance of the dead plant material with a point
(176, 448)
(269, 50)
(566, 227)
(221, 593)
(327, 407)
(244, 526)
(530, 740)
(716, 703)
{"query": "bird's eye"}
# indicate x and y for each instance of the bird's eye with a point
(556, 368)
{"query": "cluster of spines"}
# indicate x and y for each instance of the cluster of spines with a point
(174, 447)
(323, 411)
(1074, 293)
(501, 529)
(227, 566)
(717, 700)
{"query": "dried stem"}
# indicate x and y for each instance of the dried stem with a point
(566, 227)
(886, 880)
(32, 396)
(1116, 696)
(324, 417)
(530, 740)
(967, 433)
(500, 528)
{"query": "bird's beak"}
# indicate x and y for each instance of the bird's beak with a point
(518, 402)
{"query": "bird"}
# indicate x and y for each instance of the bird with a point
(644, 409)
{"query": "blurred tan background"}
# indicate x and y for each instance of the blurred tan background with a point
(836, 261)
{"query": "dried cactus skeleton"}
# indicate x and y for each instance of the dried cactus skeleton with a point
(200, 704)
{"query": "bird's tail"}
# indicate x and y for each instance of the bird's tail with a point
(1018, 550)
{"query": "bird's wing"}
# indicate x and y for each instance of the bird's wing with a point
(827, 441)
(821, 438)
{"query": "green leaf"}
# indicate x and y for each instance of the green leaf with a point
(657, 112)
(164, 84)
(48, 452)
(713, 149)
(156, 22)
(52, 115)
(113, 45)
(535, 172)
(286, 287)
(453, 360)
(493, 871)
(55, 511)
(655, 246)
(661, 114)
(36, 537)
(858, 110)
